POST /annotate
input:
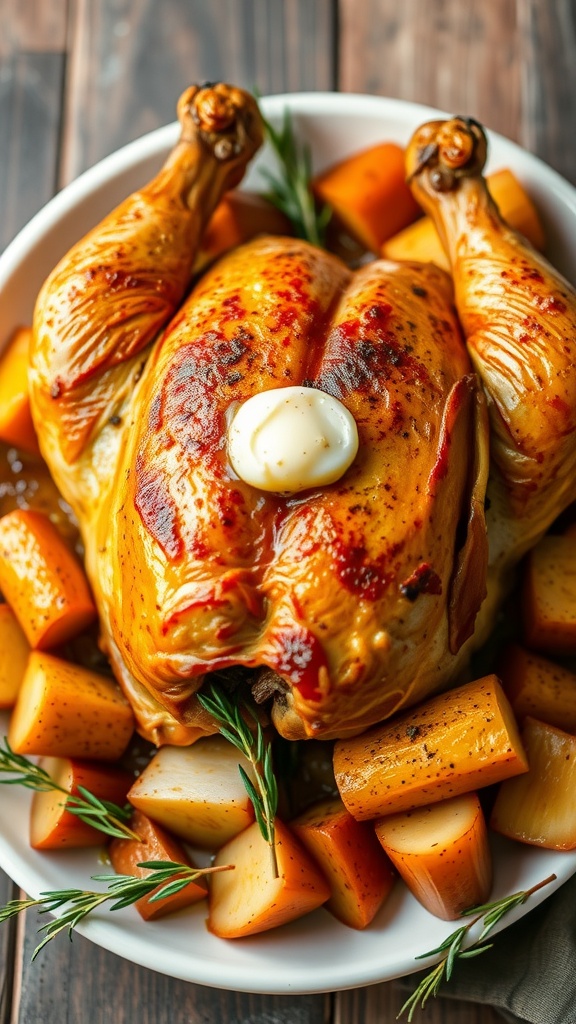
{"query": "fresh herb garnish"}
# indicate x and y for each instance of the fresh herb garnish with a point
(290, 189)
(233, 726)
(122, 891)
(103, 815)
(453, 945)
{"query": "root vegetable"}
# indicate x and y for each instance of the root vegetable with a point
(442, 854)
(539, 807)
(538, 687)
(155, 844)
(549, 605)
(250, 899)
(359, 874)
(16, 426)
(65, 710)
(14, 651)
(42, 580)
(454, 743)
(196, 792)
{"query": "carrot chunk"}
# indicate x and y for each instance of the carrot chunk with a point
(549, 596)
(16, 426)
(538, 687)
(14, 651)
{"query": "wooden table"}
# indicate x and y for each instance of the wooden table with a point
(78, 78)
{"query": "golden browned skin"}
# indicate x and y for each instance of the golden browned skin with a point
(358, 596)
(519, 319)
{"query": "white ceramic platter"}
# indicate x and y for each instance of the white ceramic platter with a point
(314, 954)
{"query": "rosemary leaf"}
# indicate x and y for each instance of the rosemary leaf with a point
(289, 187)
(452, 946)
(263, 792)
(102, 815)
(122, 891)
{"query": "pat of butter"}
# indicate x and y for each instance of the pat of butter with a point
(289, 439)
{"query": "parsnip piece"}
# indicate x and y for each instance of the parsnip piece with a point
(539, 808)
(14, 651)
(42, 580)
(249, 899)
(454, 743)
(52, 827)
(196, 792)
(549, 606)
(359, 874)
(442, 853)
(65, 710)
(156, 844)
(538, 687)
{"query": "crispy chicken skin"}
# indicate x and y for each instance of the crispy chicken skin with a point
(519, 319)
(355, 598)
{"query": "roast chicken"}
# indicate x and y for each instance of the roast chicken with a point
(337, 604)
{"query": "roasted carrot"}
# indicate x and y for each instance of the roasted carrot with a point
(42, 580)
(359, 874)
(368, 194)
(442, 853)
(155, 844)
(454, 743)
(16, 426)
(14, 651)
(52, 827)
(65, 710)
(538, 687)
(420, 241)
(239, 217)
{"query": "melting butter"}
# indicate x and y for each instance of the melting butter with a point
(289, 439)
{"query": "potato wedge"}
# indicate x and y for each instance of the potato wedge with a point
(549, 596)
(16, 425)
(442, 853)
(155, 844)
(196, 792)
(538, 687)
(360, 876)
(42, 580)
(52, 827)
(65, 710)
(454, 743)
(249, 899)
(539, 808)
(14, 651)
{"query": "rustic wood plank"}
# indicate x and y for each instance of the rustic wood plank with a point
(548, 36)
(382, 1003)
(32, 26)
(464, 58)
(130, 60)
(96, 986)
(8, 892)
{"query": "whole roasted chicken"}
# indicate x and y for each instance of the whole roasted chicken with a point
(341, 602)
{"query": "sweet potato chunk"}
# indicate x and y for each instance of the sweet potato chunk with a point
(14, 651)
(538, 687)
(239, 217)
(549, 606)
(539, 808)
(249, 899)
(42, 580)
(155, 844)
(454, 743)
(16, 426)
(52, 827)
(368, 194)
(196, 792)
(442, 853)
(65, 710)
(359, 874)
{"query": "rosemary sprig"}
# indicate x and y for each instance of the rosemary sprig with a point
(122, 891)
(290, 189)
(233, 726)
(103, 815)
(453, 945)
